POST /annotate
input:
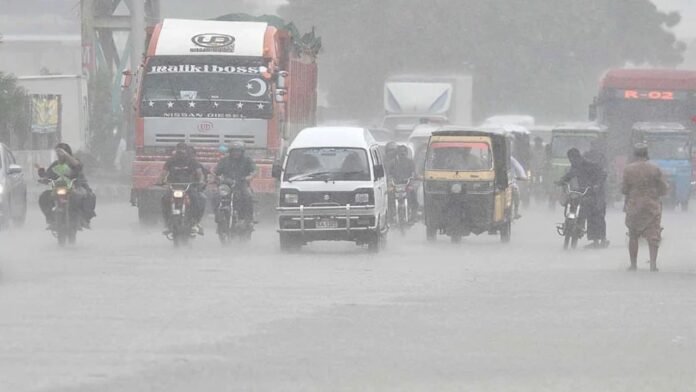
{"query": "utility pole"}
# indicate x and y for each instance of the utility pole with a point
(113, 41)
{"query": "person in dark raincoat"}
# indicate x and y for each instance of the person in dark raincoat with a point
(590, 175)
(643, 185)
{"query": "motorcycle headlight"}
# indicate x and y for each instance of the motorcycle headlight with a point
(456, 188)
(178, 194)
(61, 191)
(2, 189)
(291, 198)
(224, 190)
(362, 198)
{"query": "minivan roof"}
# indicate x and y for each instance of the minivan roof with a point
(333, 137)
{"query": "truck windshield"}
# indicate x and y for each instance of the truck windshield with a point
(560, 144)
(459, 156)
(205, 94)
(669, 147)
(327, 164)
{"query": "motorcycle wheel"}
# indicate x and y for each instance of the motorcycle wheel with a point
(223, 232)
(568, 231)
(574, 241)
(62, 237)
(72, 236)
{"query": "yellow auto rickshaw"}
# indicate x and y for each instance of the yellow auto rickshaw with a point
(467, 185)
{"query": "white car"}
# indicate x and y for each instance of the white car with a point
(332, 188)
(13, 190)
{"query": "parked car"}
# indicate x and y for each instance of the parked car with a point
(13, 190)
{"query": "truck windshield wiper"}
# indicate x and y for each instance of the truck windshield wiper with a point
(309, 176)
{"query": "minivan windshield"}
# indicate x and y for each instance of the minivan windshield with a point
(327, 164)
(459, 156)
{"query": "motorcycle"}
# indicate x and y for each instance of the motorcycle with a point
(66, 219)
(573, 228)
(400, 211)
(227, 217)
(180, 224)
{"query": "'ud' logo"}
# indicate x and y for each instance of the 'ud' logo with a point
(210, 40)
(205, 126)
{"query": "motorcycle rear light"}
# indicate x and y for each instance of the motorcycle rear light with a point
(178, 194)
(61, 191)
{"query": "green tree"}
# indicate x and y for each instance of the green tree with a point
(15, 116)
(531, 56)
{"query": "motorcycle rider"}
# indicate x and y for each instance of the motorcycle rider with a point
(183, 168)
(590, 175)
(242, 169)
(82, 197)
(400, 170)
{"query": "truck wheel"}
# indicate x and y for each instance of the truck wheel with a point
(146, 215)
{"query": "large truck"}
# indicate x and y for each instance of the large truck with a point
(410, 100)
(209, 83)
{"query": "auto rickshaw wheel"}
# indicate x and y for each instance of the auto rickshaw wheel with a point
(506, 232)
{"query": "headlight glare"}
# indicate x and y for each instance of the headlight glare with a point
(291, 198)
(362, 198)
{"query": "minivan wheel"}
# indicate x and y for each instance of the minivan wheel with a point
(376, 243)
(289, 243)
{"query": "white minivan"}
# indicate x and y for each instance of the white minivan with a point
(332, 188)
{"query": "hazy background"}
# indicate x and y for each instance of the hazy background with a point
(501, 43)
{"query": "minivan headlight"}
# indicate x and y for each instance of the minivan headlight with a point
(456, 188)
(291, 198)
(362, 198)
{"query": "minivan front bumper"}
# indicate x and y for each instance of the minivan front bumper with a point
(328, 222)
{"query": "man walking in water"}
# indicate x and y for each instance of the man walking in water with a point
(643, 186)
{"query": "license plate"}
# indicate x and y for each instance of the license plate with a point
(176, 212)
(327, 224)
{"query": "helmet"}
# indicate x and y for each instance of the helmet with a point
(65, 147)
(402, 149)
(236, 146)
(391, 147)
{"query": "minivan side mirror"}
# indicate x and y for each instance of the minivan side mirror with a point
(14, 169)
(276, 171)
(379, 171)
